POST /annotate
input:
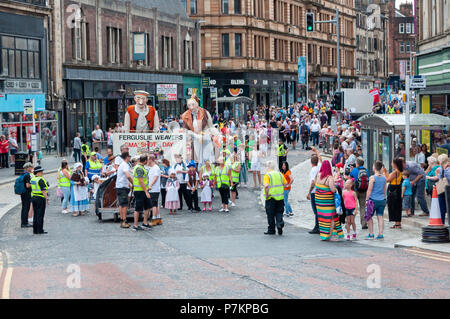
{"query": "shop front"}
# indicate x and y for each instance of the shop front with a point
(192, 85)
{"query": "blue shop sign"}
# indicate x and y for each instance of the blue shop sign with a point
(14, 102)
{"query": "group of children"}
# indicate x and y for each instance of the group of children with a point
(172, 202)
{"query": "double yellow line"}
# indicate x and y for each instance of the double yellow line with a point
(429, 254)
(5, 291)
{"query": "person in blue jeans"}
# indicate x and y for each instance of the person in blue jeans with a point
(417, 178)
(377, 193)
(287, 189)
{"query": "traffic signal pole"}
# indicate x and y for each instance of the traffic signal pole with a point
(335, 21)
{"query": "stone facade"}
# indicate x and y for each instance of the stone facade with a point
(272, 35)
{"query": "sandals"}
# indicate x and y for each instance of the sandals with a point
(396, 227)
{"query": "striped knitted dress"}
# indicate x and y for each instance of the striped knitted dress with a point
(326, 212)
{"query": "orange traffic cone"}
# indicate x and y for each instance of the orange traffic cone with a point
(435, 213)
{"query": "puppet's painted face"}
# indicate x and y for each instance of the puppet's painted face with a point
(141, 100)
(193, 106)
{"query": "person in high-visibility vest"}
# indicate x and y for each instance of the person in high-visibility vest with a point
(235, 170)
(64, 184)
(390, 109)
(282, 153)
(223, 178)
(85, 153)
(93, 166)
(141, 194)
(274, 183)
(39, 198)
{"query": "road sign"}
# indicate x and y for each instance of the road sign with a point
(418, 82)
(28, 105)
(205, 82)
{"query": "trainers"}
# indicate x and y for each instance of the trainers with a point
(146, 226)
(136, 228)
(227, 211)
(233, 204)
(291, 214)
(369, 237)
(65, 211)
(221, 210)
(354, 237)
(210, 209)
(380, 237)
(348, 237)
(204, 209)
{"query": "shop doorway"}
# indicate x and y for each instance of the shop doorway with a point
(111, 113)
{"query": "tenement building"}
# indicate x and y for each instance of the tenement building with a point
(371, 48)
(433, 59)
(25, 65)
(110, 48)
(251, 48)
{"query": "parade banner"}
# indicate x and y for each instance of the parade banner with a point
(166, 144)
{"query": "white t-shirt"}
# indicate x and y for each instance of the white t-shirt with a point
(179, 167)
(118, 160)
(186, 179)
(312, 176)
(98, 134)
(344, 145)
(122, 180)
(153, 172)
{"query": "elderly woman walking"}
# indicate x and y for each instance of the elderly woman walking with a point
(324, 197)
(79, 194)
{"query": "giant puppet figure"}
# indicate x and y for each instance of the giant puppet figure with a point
(141, 117)
(198, 124)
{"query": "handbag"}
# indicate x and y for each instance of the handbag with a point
(337, 203)
(441, 183)
(368, 212)
(59, 193)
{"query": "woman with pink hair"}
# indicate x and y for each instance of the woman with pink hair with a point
(326, 211)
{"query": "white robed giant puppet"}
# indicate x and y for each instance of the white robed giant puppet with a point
(198, 124)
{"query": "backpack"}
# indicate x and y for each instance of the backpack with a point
(19, 185)
(362, 182)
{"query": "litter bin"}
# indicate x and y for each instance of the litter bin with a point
(21, 159)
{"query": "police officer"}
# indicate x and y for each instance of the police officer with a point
(282, 153)
(274, 183)
(39, 198)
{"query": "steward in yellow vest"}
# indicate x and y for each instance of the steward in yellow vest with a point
(274, 183)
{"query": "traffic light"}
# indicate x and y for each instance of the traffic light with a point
(338, 101)
(309, 21)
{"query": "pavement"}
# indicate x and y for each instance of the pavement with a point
(409, 236)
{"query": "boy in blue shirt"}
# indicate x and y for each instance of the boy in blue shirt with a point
(406, 193)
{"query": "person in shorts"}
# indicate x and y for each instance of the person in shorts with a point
(406, 193)
(123, 182)
(141, 194)
(154, 188)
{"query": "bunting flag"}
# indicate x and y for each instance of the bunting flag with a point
(376, 95)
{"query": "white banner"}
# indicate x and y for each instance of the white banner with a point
(166, 92)
(144, 143)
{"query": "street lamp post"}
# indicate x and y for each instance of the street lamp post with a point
(407, 110)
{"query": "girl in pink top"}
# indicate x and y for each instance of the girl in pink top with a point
(350, 203)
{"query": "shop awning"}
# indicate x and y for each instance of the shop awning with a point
(237, 99)
(397, 121)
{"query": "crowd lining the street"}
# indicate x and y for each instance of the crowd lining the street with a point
(315, 125)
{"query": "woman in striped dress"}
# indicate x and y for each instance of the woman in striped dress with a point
(326, 211)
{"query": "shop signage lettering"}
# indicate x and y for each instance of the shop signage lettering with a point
(143, 143)
(237, 82)
(166, 92)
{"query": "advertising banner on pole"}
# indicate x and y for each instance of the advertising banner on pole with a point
(301, 63)
(144, 143)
